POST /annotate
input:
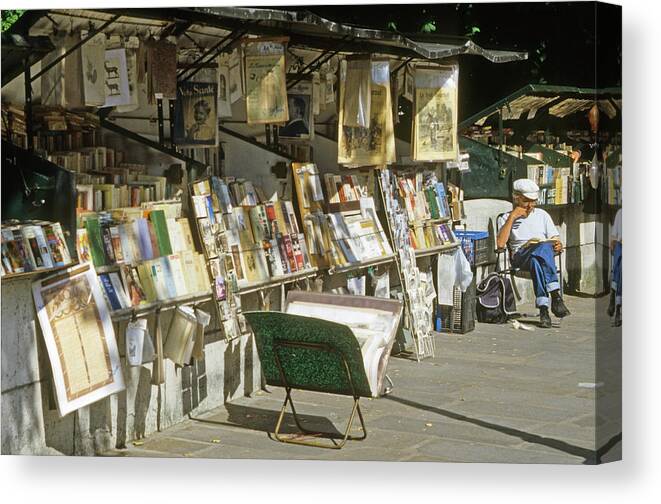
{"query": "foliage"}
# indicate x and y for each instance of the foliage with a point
(9, 17)
(428, 27)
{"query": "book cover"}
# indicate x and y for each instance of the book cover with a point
(141, 230)
(122, 296)
(132, 285)
(146, 281)
(157, 218)
(116, 241)
(186, 234)
(109, 290)
(282, 249)
(178, 275)
(298, 254)
(95, 241)
(55, 247)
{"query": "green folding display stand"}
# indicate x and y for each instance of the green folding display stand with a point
(310, 354)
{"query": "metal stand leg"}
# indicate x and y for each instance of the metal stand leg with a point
(296, 438)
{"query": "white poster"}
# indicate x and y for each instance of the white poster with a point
(224, 103)
(94, 72)
(79, 337)
(117, 80)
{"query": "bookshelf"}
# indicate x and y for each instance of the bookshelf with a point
(436, 250)
(136, 311)
(335, 270)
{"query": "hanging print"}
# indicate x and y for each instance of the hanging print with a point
(196, 117)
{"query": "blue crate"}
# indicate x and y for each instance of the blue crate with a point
(475, 245)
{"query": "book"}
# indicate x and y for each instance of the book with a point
(134, 290)
(141, 231)
(158, 221)
(178, 275)
(109, 291)
(122, 296)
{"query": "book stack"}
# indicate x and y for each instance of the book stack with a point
(357, 238)
(151, 248)
(431, 235)
(344, 188)
(423, 199)
(426, 207)
(13, 124)
(98, 197)
(33, 246)
(542, 175)
(261, 238)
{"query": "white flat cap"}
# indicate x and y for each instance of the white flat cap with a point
(527, 188)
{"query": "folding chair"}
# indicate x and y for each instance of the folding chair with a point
(308, 353)
(504, 261)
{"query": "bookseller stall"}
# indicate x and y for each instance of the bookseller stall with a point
(167, 175)
(566, 139)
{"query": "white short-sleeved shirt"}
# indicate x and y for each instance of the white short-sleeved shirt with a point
(616, 230)
(538, 225)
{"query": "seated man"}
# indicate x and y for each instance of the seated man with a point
(533, 241)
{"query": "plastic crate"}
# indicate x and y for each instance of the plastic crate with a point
(460, 317)
(475, 245)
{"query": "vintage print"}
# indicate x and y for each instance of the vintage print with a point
(79, 337)
(373, 145)
(196, 118)
(300, 126)
(266, 82)
(435, 123)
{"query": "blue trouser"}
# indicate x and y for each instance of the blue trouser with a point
(616, 273)
(539, 260)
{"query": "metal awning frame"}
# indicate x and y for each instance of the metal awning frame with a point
(304, 29)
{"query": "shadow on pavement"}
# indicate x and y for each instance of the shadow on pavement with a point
(589, 456)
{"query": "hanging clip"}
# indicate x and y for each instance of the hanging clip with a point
(134, 317)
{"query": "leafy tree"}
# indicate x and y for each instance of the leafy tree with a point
(9, 17)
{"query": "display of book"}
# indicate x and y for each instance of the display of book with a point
(141, 254)
(33, 246)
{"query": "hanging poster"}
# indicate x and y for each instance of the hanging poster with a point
(235, 76)
(300, 126)
(79, 337)
(373, 145)
(266, 83)
(224, 103)
(132, 75)
(117, 80)
(94, 71)
(434, 129)
(52, 82)
(73, 74)
(195, 115)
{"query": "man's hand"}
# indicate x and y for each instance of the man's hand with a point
(518, 212)
(557, 246)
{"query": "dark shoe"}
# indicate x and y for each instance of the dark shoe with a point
(611, 304)
(558, 307)
(617, 322)
(544, 317)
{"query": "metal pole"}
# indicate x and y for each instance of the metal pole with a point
(28, 106)
(159, 111)
(76, 46)
(171, 119)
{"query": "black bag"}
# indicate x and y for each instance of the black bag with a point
(495, 299)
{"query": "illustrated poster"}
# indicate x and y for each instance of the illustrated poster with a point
(79, 337)
(435, 122)
(196, 117)
(266, 82)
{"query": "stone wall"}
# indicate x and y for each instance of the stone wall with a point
(32, 425)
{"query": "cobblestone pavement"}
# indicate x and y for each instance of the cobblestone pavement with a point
(496, 394)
